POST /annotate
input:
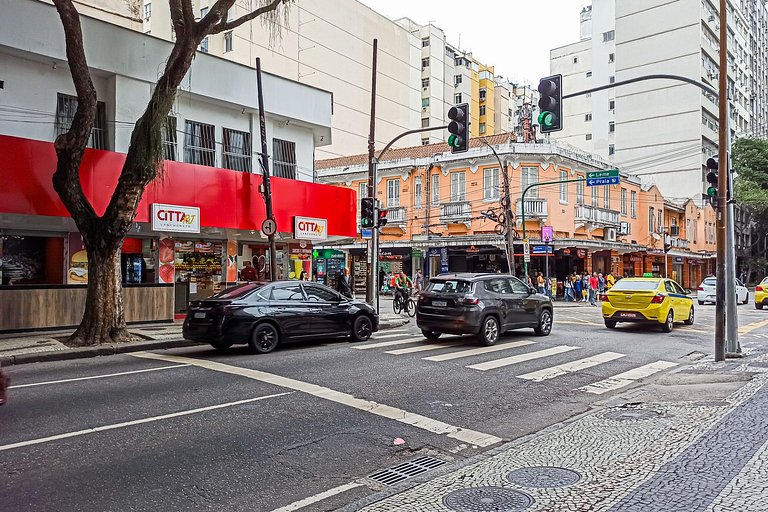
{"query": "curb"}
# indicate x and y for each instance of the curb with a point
(101, 350)
(391, 324)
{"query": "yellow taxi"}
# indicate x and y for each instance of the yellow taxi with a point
(761, 294)
(647, 299)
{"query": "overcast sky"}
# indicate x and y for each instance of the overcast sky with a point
(501, 33)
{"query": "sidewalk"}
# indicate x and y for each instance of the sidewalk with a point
(693, 440)
(39, 346)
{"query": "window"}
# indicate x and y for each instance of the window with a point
(169, 138)
(285, 293)
(651, 219)
(425, 82)
(580, 191)
(695, 229)
(482, 94)
(425, 122)
(589, 74)
(457, 79)
(457, 97)
(317, 294)
(491, 184)
(147, 11)
(458, 186)
(482, 110)
(612, 104)
(563, 187)
(498, 286)
(588, 136)
(228, 41)
(633, 204)
(587, 117)
(595, 197)
(393, 193)
(199, 144)
(237, 150)
(624, 201)
(424, 141)
(417, 191)
(435, 189)
(611, 127)
(660, 223)
(575, 60)
(66, 106)
(424, 42)
(609, 36)
(284, 158)
(362, 189)
(425, 63)
(528, 177)
(611, 149)
(204, 45)
(424, 102)
(607, 198)
(611, 79)
(518, 286)
(482, 127)
(611, 58)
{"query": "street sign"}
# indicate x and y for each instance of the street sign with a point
(526, 250)
(366, 233)
(601, 178)
(547, 234)
(269, 227)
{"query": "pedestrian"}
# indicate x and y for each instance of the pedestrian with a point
(344, 284)
(594, 282)
(303, 275)
(568, 289)
(600, 283)
(248, 273)
(576, 287)
(418, 280)
(584, 287)
(540, 282)
(609, 281)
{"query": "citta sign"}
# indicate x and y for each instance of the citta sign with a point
(307, 228)
(173, 218)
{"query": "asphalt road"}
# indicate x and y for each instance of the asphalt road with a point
(193, 429)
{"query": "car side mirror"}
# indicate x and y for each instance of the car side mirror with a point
(532, 290)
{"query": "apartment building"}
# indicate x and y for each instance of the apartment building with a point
(660, 131)
(441, 210)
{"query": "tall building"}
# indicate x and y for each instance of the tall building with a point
(662, 131)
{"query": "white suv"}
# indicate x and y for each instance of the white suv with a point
(707, 291)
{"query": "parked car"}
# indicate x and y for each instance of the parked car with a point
(485, 305)
(761, 294)
(651, 300)
(264, 315)
(707, 291)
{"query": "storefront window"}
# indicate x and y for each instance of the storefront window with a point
(31, 260)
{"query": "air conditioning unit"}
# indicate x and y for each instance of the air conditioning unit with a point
(610, 235)
(624, 228)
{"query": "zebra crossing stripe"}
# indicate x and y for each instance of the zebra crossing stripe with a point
(389, 343)
(506, 361)
(424, 348)
(386, 336)
(570, 367)
(478, 351)
(626, 378)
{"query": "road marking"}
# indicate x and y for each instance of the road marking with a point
(424, 348)
(478, 351)
(409, 418)
(575, 323)
(570, 367)
(385, 336)
(296, 505)
(96, 376)
(389, 343)
(686, 329)
(625, 379)
(744, 329)
(498, 363)
(135, 422)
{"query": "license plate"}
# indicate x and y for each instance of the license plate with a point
(199, 315)
(439, 303)
(628, 315)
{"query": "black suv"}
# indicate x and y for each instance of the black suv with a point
(485, 305)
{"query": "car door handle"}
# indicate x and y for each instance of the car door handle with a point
(314, 310)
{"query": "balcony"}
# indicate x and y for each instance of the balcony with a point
(535, 208)
(456, 212)
(593, 217)
(396, 216)
(678, 243)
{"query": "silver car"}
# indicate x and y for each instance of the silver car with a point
(707, 291)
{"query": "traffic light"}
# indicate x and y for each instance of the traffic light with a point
(366, 212)
(712, 167)
(382, 218)
(551, 104)
(458, 128)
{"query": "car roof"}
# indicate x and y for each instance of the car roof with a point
(469, 276)
(642, 278)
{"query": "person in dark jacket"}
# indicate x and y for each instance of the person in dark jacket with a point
(344, 285)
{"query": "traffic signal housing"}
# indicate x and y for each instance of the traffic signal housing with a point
(382, 215)
(551, 104)
(367, 212)
(458, 128)
(712, 178)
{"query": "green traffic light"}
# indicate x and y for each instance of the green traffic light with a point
(452, 140)
(546, 119)
(711, 191)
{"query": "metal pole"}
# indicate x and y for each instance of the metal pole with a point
(265, 173)
(375, 243)
(508, 220)
(733, 348)
(722, 184)
(372, 249)
(546, 266)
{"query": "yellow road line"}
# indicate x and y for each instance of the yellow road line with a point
(744, 329)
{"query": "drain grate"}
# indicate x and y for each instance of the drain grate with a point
(406, 470)
(487, 499)
(630, 414)
(544, 477)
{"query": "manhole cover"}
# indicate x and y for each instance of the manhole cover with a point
(487, 499)
(630, 414)
(406, 470)
(543, 476)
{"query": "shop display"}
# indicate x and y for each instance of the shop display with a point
(166, 256)
(22, 259)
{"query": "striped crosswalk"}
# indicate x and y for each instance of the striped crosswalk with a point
(553, 361)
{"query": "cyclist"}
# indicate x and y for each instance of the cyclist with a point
(401, 284)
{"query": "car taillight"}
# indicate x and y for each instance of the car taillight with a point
(658, 299)
(700, 288)
(604, 298)
(758, 288)
(471, 301)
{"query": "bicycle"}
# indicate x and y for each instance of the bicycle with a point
(408, 305)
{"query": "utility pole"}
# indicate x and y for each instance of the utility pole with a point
(373, 249)
(732, 348)
(722, 188)
(265, 173)
(506, 206)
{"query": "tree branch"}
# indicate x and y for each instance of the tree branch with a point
(229, 25)
(178, 17)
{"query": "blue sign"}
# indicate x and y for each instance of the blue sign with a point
(444, 260)
(541, 249)
(366, 233)
(596, 182)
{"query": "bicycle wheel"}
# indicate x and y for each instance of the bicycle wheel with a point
(397, 305)
(410, 308)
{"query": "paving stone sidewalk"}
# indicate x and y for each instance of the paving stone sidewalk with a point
(709, 455)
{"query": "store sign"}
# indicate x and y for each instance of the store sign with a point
(547, 234)
(178, 219)
(678, 259)
(581, 253)
(542, 249)
(307, 228)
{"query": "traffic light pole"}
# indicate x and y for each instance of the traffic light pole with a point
(722, 190)
(732, 348)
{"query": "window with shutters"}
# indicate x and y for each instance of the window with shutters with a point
(66, 106)
(199, 143)
(491, 184)
(284, 158)
(458, 186)
(237, 150)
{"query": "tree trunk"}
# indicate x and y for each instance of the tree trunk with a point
(104, 319)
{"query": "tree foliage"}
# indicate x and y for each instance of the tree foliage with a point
(750, 162)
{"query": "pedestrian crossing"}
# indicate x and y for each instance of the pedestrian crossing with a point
(463, 349)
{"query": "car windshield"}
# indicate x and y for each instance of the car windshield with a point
(711, 281)
(238, 292)
(449, 286)
(625, 285)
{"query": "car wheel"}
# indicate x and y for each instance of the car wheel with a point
(690, 318)
(746, 299)
(669, 323)
(264, 338)
(221, 346)
(611, 324)
(701, 303)
(758, 306)
(545, 323)
(489, 331)
(362, 328)
(431, 335)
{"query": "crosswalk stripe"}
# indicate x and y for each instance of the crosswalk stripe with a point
(570, 367)
(506, 361)
(626, 378)
(478, 351)
(388, 343)
(424, 348)
(385, 336)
